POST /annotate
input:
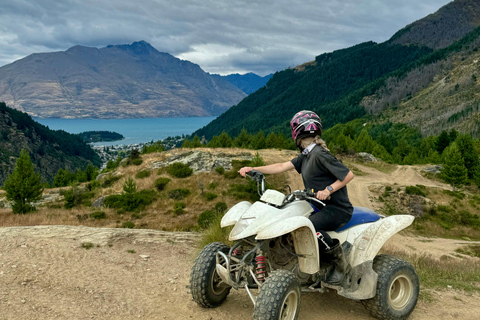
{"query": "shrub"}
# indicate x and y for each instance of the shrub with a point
(469, 219)
(455, 194)
(220, 170)
(161, 183)
(220, 207)
(137, 162)
(257, 161)
(87, 245)
(415, 190)
(178, 194)
(128, 224)
(131, 201)
(98, 215)
(206, 218)
(110, 180)
(209, 196)
(75, 196)
(178, 208)
(179, 170)
(143, 174)
(231, 174)
(212, 185)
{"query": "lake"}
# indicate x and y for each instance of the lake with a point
(134, 130)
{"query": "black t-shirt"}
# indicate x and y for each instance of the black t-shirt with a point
(319, 169)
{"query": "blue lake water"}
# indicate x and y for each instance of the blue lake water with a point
(134, 130)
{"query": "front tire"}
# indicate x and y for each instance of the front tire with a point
(397, 289)
(279, 297)
(207, 288)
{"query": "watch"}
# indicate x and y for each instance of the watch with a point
(330, 188)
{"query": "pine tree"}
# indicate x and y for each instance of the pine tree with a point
(24, 185)
(364, 142)
(454, 171)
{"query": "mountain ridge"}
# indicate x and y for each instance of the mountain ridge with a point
(117, 81)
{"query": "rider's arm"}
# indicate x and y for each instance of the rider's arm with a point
(270, 169)
(339, 184)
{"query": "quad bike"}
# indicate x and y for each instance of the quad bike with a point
(275, 255)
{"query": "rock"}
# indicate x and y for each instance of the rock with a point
(366, 156)
(433, 169)
(99, 202)
(203, 161)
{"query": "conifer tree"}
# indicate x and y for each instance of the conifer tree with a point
(24, 185)
(364, 142)
(454, 171)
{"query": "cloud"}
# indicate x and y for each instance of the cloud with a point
(221, 36)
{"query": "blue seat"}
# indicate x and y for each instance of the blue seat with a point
(360, 215)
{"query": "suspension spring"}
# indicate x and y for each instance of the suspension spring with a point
(237, 252)
(261, 268)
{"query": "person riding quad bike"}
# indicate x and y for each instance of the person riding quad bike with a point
(327, 177)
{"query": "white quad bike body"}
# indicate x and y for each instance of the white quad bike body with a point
(280, 242)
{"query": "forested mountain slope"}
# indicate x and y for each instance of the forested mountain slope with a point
(369, 78)
(49, 150)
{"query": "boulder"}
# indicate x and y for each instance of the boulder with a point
(99, 202)
(366, 156)
(203, 161)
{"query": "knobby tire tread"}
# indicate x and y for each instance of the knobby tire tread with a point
(199, 277)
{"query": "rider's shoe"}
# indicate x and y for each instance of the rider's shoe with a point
(339, 264)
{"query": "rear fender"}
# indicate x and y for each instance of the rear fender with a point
(304, 240)
(370, 241)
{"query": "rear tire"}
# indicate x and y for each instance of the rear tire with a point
(279, 297)
(397, 289)
(207, 288)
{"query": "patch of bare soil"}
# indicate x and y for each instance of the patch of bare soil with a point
(46, 272)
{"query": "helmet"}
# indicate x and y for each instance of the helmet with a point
(305, 124)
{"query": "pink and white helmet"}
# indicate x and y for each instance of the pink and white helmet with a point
(305, 123)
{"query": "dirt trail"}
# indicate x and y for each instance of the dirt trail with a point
(47, 272)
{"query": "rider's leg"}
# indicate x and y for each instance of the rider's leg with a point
(336, 273)
(331, 219)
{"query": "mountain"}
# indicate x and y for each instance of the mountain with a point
(442, 28)
(49, 150)
(248, 83)
(376, 79)
(118, 81)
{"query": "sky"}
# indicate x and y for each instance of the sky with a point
(222, 36)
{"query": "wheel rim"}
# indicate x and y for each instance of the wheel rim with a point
(400, 292)
(289, 306)
(217, 285)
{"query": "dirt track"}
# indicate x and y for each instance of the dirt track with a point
(47, 273)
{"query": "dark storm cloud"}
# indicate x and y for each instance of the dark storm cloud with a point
(221, 36)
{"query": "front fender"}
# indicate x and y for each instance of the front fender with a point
(234, 214)
(370, 241)
(304, 240)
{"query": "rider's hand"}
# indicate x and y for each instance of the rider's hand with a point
(243, 171)
(323, 194)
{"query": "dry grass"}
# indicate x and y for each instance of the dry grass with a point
(444, 272)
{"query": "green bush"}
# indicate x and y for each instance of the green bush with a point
(128, 224)
(131, 201)
(75, 196)
(137, 162)
(209, 196)
(206, 218)
(179, 170)
(98, 215)
(161, 183)
(213, 185)
(178, 194)
(143, 174)
(415, 190)
(178, 208)
(232, 174)
(220, 170)
(110, 180)
(469, 219)
(455, 194)
(221, 207)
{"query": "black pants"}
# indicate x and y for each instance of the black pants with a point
(330, 218)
